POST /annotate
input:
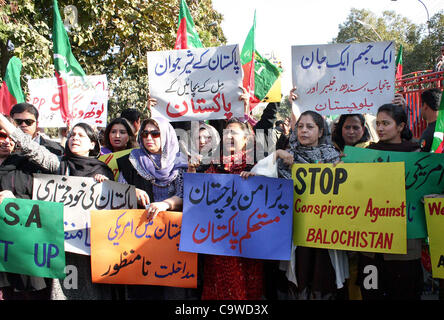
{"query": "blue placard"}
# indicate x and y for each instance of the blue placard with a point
(224, 214)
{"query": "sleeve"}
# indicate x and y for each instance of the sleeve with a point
(35, 152)
(178, 183)
(268, 116)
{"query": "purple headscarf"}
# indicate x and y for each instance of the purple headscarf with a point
(169, 161)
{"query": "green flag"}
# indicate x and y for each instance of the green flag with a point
(187, 36)
(11, 91)
(65, 63)
(438, 136)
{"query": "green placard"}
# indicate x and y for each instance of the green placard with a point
(424, 174)
(32, 238)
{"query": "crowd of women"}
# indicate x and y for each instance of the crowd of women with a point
(155, 166)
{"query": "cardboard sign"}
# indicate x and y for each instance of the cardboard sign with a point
(434, 212)
(79, 195)
(227, 215)
(31, 238)
(111, 160)
(350, 207)
(344, 78)
(128, 249)
(424, 174)
(87, 100)
(196, 84)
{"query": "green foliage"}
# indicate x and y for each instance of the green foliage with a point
(420, 47)
(111, 37)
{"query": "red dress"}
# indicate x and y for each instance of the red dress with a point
(232, 278)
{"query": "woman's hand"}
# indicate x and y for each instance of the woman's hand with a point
(293, 95)
(399, 100)
(100, 177)
(143, 198)
(194, 162)
(285, 156)
(246, 174)
(5, 194)
(154, 208)
(245, 97)
(151, 102)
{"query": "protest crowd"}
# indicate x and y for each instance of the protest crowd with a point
(232, 153)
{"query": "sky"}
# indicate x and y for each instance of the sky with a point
(283, 23)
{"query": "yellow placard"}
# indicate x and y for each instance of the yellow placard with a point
(111, 160)
(353, 206)
(434, 212)
(126, 248)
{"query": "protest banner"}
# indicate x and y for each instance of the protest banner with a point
(350, 207)
(227, 215)
(31, 238)
(129, 249)
(196, 84)
(434, 212)
(111, 160)
(87, 100)
(344, 78)
(79, 195)
(424, 174)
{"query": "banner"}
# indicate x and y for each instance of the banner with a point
(111, 160)
(424, 174)
(87, 100)
(79, 195)
(31, 238)
(227, 215)
(434, 212)
(128, 249)
(344, 78)
(350, 207)
(196, 84)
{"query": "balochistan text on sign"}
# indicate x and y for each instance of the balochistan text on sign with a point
(80, 195)
(31, 238)
(434, 212)
(129, 249)
(350, 207)
(87, 100)
(424, 174)
(196, 84)
(226, 215)
(344, 78)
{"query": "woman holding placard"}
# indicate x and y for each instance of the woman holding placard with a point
(80, 159)
(398, 276)
(317, 272)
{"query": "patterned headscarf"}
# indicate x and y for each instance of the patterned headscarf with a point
(162, 169)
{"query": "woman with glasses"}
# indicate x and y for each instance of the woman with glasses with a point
(156, 170)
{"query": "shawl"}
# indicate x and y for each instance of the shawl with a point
(169, 162)
(84, 166)
(404, 146)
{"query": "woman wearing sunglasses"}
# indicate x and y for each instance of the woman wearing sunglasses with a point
(156, 170)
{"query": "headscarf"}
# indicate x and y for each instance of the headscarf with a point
(211, 152)
(81, 166)
(169, 161)
(322, 153)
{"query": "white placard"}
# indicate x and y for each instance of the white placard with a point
(80, 195)
(87, 100)
(344, 78)
(196, 84)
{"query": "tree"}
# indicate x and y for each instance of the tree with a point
(111, 37)
(420, 48)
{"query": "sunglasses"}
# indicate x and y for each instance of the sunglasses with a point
(153, 133)
(29, 122)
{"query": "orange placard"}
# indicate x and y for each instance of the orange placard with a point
(127, 249)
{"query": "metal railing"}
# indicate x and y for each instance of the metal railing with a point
(411, 86)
